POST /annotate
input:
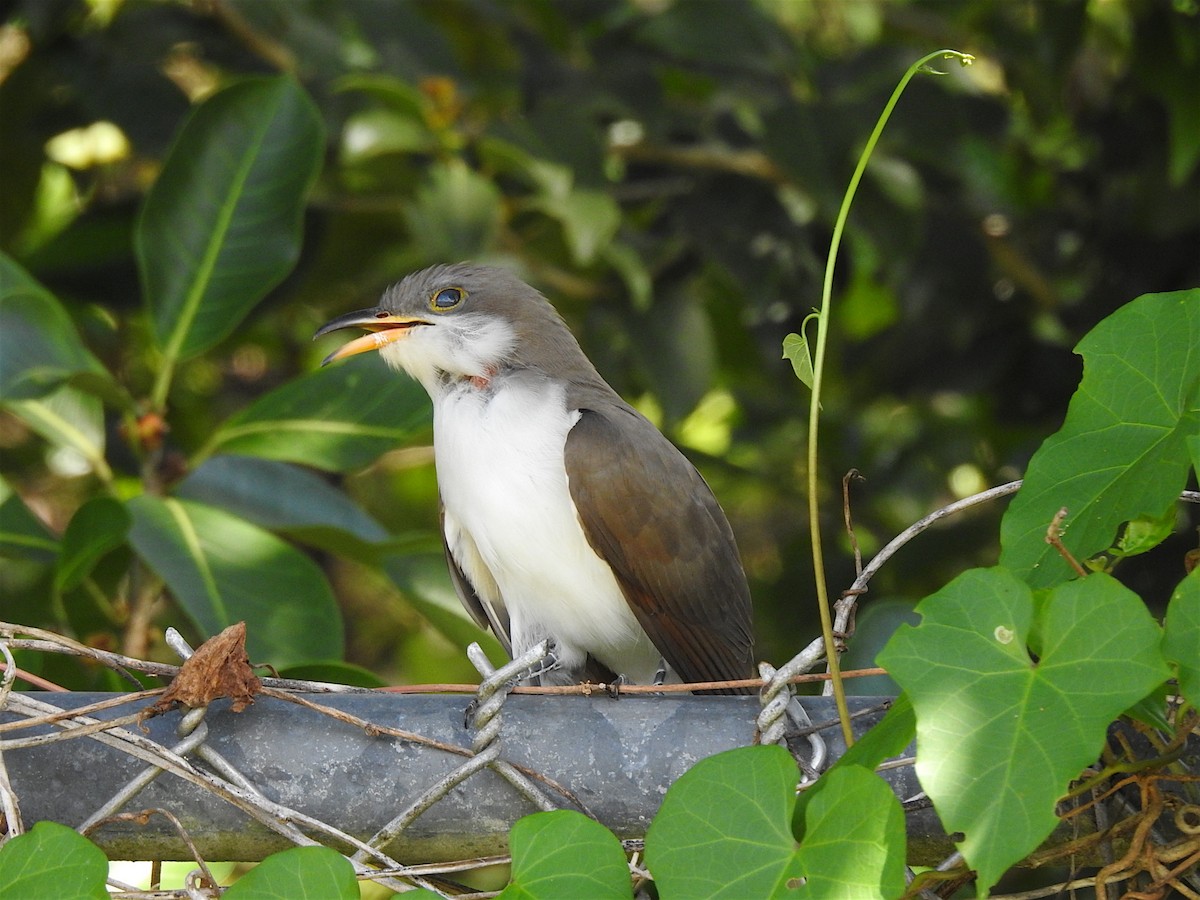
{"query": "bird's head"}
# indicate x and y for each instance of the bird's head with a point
(457, 322)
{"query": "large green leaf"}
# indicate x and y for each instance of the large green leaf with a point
(337, 418)
(39, 345)
(221, 225)
(565, 854)
(1122, 452)
(51, 860)
(724, 828)
(999, 736)
(283, 497)
(222, 569)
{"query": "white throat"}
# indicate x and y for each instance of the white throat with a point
(469, 346)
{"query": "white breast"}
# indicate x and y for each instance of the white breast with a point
(499, 454)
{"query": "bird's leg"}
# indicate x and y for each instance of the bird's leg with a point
(613, 687)
(660, 677)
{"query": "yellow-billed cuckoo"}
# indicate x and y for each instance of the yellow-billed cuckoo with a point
(565, 513)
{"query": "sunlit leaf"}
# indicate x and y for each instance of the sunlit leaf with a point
(221, 225)
(844, 854)
(338, 418)
(999, 736)
(222, 570)
(73, 423)
(795, 348)
(284, 497)
(1121, 454)
(724, 828)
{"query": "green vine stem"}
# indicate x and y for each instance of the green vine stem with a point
(818, 368)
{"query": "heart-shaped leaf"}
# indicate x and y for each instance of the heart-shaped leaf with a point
(1000, 735)
(725, 827)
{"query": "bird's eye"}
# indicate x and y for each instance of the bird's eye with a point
(447, 298)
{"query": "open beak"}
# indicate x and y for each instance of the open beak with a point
(384, 328)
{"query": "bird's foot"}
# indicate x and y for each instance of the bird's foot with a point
(613, 688)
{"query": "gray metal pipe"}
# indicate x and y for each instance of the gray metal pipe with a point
(618, 757)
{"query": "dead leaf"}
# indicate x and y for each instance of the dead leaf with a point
(218, 668)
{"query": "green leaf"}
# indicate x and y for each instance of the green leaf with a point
(97, 527)
(221, 226)
(302, 873)
(22, 534)
(724, 828)
(425, 581)
(565, 854)
(334, 673)
(852, 843)
(589, 220)
(1122, 451)
(1182, 640)
(999, 736)
(282, 497)
(795, 348)
(455, 215)
(222, 570)
(338, 418)
(73, 422)
(39, 345)
(51, 860)
(890, 737)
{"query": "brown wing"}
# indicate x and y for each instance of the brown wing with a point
(646, 510)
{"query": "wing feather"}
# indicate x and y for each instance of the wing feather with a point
(648, 512)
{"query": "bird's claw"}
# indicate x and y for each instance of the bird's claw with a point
(613, 688)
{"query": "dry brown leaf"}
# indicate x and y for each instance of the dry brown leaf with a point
(218, 668)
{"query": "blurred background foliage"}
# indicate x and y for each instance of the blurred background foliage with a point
(668, 174)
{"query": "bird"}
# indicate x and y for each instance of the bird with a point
(566, 515)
